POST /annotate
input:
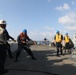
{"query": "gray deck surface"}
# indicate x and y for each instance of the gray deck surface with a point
(47, 63)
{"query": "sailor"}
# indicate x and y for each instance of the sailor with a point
(58, 41)
(22, 43)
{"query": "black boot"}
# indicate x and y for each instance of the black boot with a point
(11, 56)
(61, 52)
(57, 52)
(33, 58)
(3, 71)
(16, 60)
(58, 55)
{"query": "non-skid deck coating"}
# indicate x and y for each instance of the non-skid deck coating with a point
(47, 63)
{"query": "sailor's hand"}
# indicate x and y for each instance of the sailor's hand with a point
(34, 43)
(14, 40)
(23, 42)
(54, 42)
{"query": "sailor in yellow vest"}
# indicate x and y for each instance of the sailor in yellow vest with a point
(58, 41)
(67, 42)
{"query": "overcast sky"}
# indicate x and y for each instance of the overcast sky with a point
(41, 18)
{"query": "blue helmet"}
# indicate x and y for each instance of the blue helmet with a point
(66, 33)
(25, 31)
(57, 31)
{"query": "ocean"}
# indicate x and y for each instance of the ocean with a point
(43, 42)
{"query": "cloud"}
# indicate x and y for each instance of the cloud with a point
(49, 28)
(68, 21)
(45, 34)
(73, 28)
(64, 7)
(36, 35)
(48, 35)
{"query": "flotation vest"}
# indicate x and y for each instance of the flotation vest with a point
(58, 38)
(2, 37)
(67, 39)
(23, 37)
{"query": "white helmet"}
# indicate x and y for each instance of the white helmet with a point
(3, 22)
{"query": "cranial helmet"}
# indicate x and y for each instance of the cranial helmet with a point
(25, 31)
(3, 22)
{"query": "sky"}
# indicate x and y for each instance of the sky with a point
(41, 18)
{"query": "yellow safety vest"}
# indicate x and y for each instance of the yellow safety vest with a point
(58, 38)
(67, 39)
